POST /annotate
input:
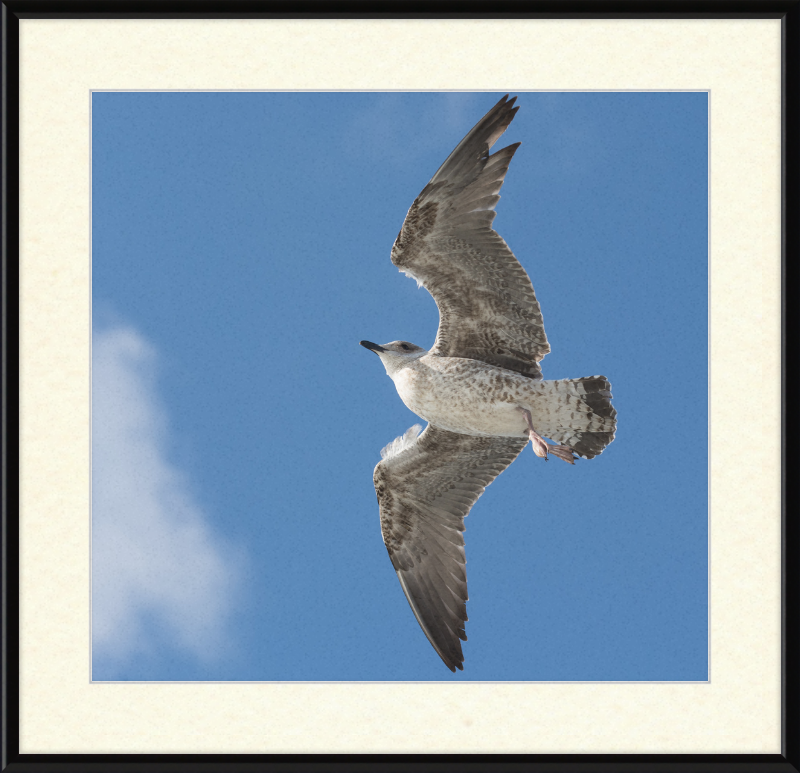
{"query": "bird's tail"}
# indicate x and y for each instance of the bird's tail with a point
(577, 413)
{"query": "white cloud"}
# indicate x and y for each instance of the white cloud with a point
(382, 127)
(161, 577)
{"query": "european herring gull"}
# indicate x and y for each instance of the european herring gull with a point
(480, 387)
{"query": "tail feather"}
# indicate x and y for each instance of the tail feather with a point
(580, 415)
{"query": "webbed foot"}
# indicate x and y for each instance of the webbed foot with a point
(541, 447)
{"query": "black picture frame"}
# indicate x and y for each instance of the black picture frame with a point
(788, 11)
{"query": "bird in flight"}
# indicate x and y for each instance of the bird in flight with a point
(479, 387)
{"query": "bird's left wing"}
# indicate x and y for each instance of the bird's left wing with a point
(426, 486)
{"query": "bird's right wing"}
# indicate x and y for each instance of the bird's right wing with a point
(426, 486)
(487, 307)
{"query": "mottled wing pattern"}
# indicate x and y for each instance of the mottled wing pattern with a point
(426, 486)
(577, 412)
(487, 308)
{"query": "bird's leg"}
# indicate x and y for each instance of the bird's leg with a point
(541, 447)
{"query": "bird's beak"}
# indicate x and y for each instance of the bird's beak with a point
(372, 347)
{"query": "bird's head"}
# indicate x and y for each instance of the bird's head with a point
(395, 355)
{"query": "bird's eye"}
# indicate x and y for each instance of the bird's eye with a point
(405, 346)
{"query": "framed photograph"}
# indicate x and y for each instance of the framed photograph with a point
(208, 214)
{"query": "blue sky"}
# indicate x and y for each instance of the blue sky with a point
(240, 251)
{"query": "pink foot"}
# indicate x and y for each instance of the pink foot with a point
(541, 447)
(562, 452)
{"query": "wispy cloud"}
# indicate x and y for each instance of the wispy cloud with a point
(161, 577)
(390, 130)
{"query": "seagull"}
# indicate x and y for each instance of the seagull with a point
(479, 387)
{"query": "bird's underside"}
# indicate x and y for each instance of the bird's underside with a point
(480, 387)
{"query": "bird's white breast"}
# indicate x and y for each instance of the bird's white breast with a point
(465, 396)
